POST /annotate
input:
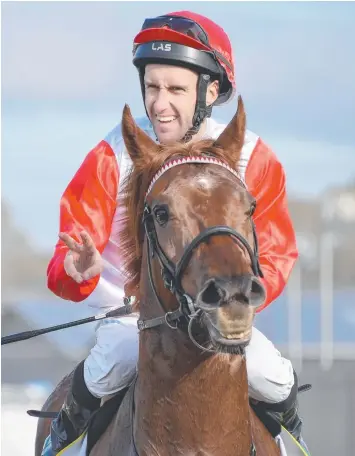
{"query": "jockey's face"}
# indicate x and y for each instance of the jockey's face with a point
(170, 98)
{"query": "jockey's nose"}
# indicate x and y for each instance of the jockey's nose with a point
(244, 289)
(161, 102)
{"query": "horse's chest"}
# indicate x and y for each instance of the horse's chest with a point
(187, 428)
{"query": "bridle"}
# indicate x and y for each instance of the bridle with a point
(172, 273)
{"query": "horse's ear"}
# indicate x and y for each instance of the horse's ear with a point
(139, 145)
(231, 140)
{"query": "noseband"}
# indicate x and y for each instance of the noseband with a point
(172, 273)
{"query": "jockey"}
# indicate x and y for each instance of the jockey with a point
(185, 64)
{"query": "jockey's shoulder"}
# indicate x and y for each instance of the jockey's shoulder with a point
(253, 144)
(215, 128)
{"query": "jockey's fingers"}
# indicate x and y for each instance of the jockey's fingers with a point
(71, 243)
(88, 243)
(70, 269)
(93, 271)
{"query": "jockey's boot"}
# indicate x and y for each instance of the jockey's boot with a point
(293, 424)
(75, 413)
(286, 413)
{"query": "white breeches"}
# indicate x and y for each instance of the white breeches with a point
(112, 362)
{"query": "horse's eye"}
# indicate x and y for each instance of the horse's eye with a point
(161, 215)
(252, 208)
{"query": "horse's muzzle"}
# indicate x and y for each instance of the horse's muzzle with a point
(244, 290)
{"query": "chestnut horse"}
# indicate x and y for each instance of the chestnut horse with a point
(192, 263)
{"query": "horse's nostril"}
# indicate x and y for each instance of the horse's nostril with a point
(212, 294)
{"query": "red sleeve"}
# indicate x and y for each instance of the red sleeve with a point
(88, 203)
(278, 253)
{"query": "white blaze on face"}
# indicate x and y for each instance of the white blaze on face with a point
(204, 182)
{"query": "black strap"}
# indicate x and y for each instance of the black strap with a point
(166, 318)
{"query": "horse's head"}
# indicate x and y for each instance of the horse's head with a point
(197, 215)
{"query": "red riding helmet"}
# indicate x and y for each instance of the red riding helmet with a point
(189, 40)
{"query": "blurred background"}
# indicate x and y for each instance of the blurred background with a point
(66, 75)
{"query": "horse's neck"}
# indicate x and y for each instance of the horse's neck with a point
(187, 402)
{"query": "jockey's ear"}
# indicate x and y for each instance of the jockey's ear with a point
(139, 145)
(231, 140)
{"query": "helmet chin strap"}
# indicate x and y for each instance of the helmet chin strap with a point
(201, 109)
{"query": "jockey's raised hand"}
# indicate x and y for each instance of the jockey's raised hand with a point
(83, 261)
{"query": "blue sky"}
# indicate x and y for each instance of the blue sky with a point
(67, 72)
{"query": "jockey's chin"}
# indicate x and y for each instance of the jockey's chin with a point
(169, 132)
(173, 133)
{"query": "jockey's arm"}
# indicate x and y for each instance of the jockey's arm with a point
(278, 252)
(88, 203)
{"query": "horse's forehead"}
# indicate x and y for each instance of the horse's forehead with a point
(205, 177)
(188, 182)
(192, 182)
(205, 182)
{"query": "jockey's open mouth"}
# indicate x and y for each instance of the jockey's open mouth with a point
(166, 119)
(164, 124)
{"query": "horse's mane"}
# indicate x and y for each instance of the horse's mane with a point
(134, 188)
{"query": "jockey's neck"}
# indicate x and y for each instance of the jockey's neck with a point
(202, 130)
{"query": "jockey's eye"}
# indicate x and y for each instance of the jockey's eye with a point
(161, 214)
